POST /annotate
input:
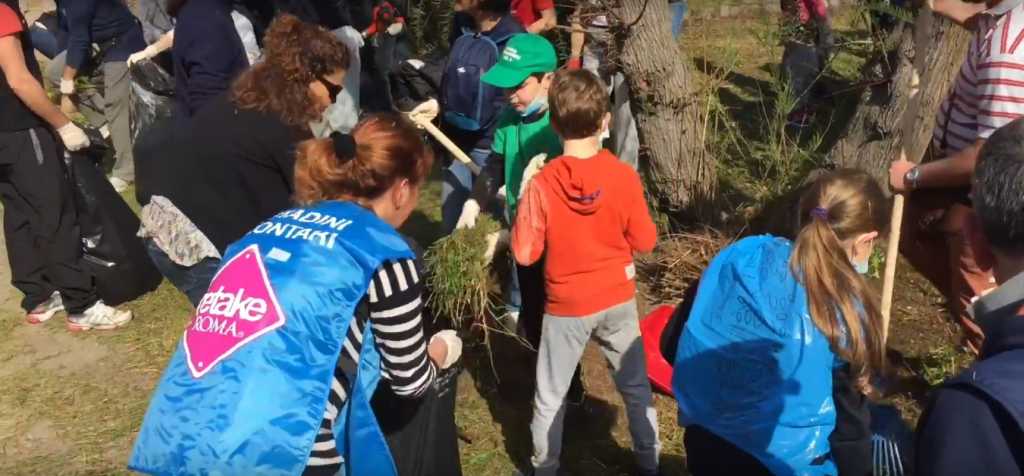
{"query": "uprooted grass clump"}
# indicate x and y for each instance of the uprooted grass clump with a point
(461, 282)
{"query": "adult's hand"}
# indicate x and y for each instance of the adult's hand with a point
(445, 348)
(897, 171)
(145, 54)
(425, 111)
(73, 137)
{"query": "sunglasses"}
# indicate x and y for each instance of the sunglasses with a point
(333, 90)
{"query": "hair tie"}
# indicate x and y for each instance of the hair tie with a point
(820, 213)
(344, 146)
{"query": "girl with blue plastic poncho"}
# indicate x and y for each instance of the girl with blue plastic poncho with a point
(775, 358)
(308, 313)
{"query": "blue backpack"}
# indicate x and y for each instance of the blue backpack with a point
(470, 104)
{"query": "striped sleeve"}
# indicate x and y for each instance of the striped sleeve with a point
(396, 307)
(1000, 92)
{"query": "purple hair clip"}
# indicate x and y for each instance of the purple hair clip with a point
(820, 213)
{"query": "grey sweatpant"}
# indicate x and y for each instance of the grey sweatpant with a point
(111, 107)
(563, 339)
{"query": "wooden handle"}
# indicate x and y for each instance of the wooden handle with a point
(922, 30)
(448, 144)
(892, 255)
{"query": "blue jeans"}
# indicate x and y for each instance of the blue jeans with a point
(678, 14)
(44, 41)
(455, 189)
(193, 281)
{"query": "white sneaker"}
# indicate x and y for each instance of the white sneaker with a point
(46, 310)
(100, 317)
(120, 185)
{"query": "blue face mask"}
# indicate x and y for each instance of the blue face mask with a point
(538, 104)
(862, 268)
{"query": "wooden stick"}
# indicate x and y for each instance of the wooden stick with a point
(922, 30)
(448, 144)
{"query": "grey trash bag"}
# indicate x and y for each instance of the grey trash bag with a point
(152, 96)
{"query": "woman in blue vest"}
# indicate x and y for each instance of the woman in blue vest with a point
(783, 337)
(307, 313)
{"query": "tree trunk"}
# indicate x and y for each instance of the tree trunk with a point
(680, 174)
(873, 137)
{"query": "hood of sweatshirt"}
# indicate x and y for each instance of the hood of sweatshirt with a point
(580, 183)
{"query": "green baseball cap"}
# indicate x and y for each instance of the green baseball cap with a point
(524, 54)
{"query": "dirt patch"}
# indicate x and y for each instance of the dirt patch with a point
(46, 350)
(24, 440)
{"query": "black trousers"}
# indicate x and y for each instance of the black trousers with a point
(40, 224)
(707, 454)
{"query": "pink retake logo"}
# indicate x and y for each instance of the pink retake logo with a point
(239, 307)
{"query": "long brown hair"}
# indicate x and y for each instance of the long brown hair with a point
(296, 54)
(838, 207)
(387, 148)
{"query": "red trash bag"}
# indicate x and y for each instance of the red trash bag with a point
(659, 371)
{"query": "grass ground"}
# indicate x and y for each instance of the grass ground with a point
(71, 404)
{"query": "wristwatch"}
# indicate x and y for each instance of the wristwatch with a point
(911, 178)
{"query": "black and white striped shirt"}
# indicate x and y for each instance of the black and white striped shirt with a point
(393, 306)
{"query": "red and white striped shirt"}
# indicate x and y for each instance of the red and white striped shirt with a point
(989, 91)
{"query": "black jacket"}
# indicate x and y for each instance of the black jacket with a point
(108, 23)
(974, 423)
(208, 54)
(227, 169)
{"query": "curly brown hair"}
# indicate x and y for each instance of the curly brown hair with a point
(295, 54)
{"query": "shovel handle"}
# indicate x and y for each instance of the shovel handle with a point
(448, 144)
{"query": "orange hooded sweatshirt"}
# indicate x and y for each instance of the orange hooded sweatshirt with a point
(590, 216)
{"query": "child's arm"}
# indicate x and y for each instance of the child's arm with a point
(530, 227)
(641, 232)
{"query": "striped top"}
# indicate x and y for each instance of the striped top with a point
(989, 91)
(393, 307)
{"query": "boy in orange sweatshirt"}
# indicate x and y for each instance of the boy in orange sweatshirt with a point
(587, 211)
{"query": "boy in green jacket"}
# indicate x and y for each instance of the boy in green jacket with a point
(523, 134)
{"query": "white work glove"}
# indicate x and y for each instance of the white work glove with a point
(502, 194)
(67, 87)
(470, 212)
(147, 53)
(395, 28)
(454, 344)
(425, 111)
(532, 169)
(73, 137)
(495, 241)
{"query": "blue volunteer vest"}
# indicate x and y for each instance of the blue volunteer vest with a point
(245, 392)
(752, 367)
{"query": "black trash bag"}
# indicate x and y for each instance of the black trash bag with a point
(111, 251)
(421, 432)
(152, 96)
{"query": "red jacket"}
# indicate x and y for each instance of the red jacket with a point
(589, 216)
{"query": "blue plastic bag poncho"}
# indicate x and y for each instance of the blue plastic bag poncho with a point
(752, 367)
(245, 392)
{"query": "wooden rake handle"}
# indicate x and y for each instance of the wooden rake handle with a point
(922, 31)
(423, 116)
